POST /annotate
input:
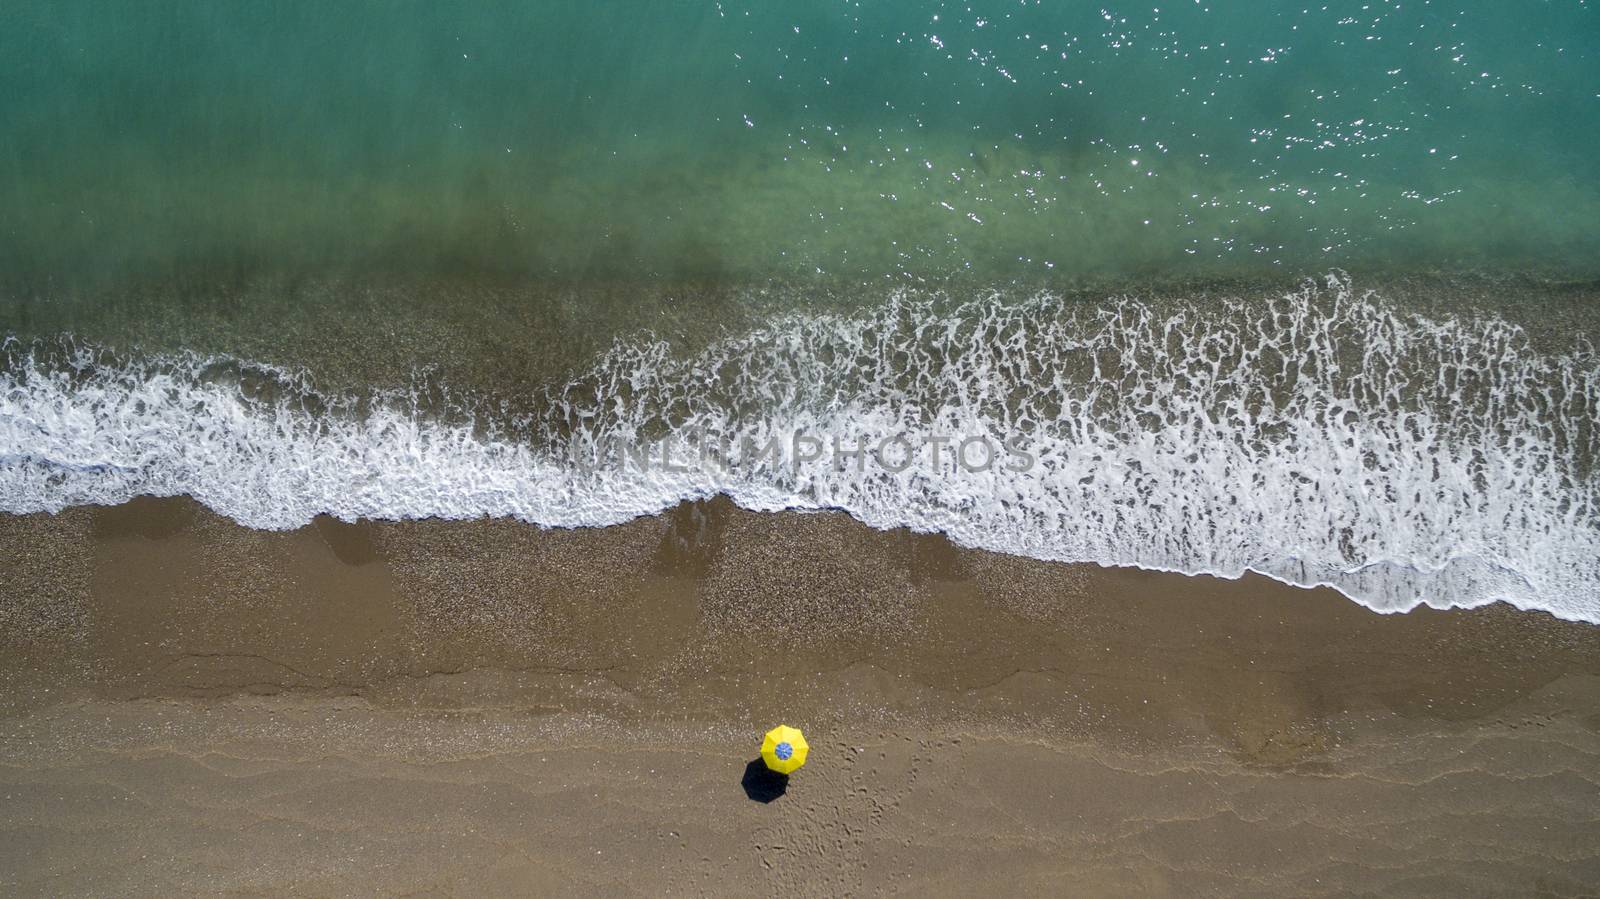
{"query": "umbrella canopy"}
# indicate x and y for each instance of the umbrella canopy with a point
(784, 749)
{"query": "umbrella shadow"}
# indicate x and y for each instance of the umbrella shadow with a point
(761, 783)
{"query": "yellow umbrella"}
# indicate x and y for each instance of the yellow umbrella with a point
(784, 749)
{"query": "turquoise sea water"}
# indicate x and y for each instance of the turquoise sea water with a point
(1302, 290)
(749, 139)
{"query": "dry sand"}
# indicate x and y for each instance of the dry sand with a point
(487, 708)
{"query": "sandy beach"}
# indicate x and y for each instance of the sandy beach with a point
(477, 708)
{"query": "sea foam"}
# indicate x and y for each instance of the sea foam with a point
(1320, 438)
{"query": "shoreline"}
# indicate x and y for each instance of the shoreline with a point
(319, 682)
(1216, 438)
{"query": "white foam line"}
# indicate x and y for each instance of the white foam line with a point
(1324, 439)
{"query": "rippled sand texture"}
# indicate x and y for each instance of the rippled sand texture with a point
(485, 707)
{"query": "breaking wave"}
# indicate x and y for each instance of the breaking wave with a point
(1324, 437)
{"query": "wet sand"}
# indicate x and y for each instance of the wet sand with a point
(465, 708)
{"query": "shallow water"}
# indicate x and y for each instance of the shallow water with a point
(900, 140)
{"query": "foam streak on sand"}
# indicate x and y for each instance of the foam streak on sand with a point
(1321, 438)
